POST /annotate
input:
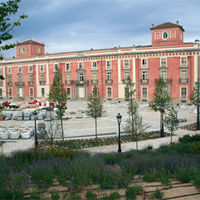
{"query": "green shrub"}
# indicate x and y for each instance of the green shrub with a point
(114, 195)
(165, 179)
(90, 195)
(183, 174)
(185, 139)
(151, 177)
(74, 197)
(55, 196)
(197, 181)
(34, 196)
(42, 177)
(132, 192)
(195, 148)
(157, 195)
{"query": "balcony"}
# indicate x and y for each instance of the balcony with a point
(109, 81)
(19, 84)
(144, 80)
(125, 80)
(167, 80)
(144, 66)
(183, 65)
(94, 81)
(183, 80)
(42, 82)
(30, 83)
(9, 83)
(67, 81)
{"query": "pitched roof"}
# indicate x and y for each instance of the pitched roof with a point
(30, 42)
(167, 25)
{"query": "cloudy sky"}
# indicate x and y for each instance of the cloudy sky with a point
(68, 25)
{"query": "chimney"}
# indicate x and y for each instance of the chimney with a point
(177, 22)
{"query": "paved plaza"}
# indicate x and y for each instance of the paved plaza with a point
(108, 124)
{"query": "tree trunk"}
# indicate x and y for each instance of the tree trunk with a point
(171, 137)
(136, 140)
(95, 127)
(61, 120)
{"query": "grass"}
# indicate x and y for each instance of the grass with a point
(75, 170)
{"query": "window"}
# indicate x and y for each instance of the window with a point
(94, 65)
(20, 78)
(144, 93)
(144, 75)
(183, 61)
(30, 69)
(68, 92)
(10, 92)
(94, 76)
(67, 67)
(68, 77)
(108, 64)
(163, 62)
(19, 70)
(126, 64)
(1, 93)
(38, 50)
(0, 70)
(109, 92)
(41, 68)
(165, 35)
(80, 65)
(23, 50)
(81, 77)
(183, 93)
(163, 74)
(43, 92)
(30, 77)
(31, 92)
(184, 74)
(42, 78)
(55, 67)
(126, 75)
(108, 76)
(9, 70)
(9, 79)
(144, 62)
(1, 82)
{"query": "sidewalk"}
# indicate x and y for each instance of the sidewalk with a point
(155, 143)
(9, 147)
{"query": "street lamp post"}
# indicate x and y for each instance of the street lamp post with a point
(119, 119)
(198, 88)
(162, 109)
(35, 118)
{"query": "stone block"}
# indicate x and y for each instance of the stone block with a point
(4, 135)
(14, 134)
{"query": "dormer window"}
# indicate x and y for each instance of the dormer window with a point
(19, 70)
(23, 50)
(38, 50)
(80, 65)
(67, 67)
(165, 35)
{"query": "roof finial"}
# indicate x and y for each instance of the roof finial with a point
(152, 25)
(177, 22)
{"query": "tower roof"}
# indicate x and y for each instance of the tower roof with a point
(167, 25)
(30, 42)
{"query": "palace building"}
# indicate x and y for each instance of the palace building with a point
(31, 73)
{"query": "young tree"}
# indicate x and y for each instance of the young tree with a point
(7, 24)
(95, 106)
(171, 120)
(195, 93)
(161, 99)
(58, 94)
(134, 124)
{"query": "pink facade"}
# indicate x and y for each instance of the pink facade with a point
(30, 74)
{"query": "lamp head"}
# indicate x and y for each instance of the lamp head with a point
(119, 118)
